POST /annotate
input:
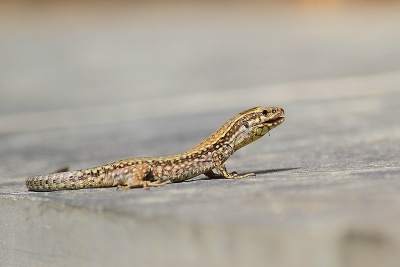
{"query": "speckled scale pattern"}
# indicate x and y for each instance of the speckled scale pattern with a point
(210, 154)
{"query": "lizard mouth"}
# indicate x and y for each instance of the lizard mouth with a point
(275, 121)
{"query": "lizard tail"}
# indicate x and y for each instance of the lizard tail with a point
(55, 181)
(65, 181)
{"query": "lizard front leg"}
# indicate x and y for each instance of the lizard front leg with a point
(221, 169)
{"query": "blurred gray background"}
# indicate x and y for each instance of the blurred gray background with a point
(70, 54)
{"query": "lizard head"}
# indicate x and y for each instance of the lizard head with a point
(254, 123)
(244, 128)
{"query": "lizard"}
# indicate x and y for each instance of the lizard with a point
(239, 131)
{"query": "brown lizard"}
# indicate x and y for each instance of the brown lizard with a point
(210, 154)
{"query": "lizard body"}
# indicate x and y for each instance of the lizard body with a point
(210, 154)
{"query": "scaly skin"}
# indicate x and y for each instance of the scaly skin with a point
(210, 154)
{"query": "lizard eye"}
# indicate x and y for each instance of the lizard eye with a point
(265, 112)
(246, 124)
